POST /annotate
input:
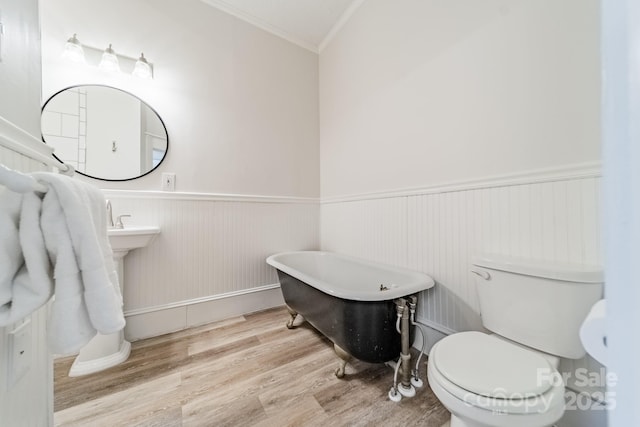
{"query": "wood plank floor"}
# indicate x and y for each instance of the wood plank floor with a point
(246, 371)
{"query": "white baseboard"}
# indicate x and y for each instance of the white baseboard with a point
(433, 332)
(156, 321)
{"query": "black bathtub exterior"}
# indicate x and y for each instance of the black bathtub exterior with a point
(364, 329)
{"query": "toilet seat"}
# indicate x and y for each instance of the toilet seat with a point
(486, 372)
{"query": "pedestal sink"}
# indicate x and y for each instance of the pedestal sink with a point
(105, 351)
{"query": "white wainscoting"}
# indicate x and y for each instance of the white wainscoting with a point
(438, 230)
(550, 215)
(28, 401)
(208, 262)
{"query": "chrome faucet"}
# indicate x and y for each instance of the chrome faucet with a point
(109, 215)
(119, 224)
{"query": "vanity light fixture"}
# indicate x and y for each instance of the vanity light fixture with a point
(73, 50)
(109, 60)
(142, 68)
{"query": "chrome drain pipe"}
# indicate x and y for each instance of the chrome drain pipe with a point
(403, 366)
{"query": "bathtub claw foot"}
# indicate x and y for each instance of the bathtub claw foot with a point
(344, 358)
(293, 315)
(290, 323)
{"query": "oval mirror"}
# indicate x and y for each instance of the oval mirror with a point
(104, 132)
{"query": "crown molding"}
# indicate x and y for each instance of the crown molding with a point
(253, 20)
(346, 16)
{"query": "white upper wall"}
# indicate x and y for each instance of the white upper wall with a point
(240, 105)
(422, 92)
(20, 88)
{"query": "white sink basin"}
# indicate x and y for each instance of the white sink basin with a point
(128, 238)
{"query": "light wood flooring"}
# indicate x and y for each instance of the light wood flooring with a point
(245, 371)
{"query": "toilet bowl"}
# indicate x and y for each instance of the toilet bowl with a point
(487, 382)
(509, 378)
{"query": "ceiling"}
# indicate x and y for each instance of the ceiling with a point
(307, 23)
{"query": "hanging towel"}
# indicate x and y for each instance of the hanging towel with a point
(87, 292)
(25, 272)
(53, 241)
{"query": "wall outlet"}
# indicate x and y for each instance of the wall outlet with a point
(168, 182)
(19, 360)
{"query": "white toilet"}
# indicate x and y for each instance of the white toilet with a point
(509, 378)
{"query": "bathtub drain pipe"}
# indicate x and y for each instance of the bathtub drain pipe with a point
(400, 309)
(415, 374)
(403, 367)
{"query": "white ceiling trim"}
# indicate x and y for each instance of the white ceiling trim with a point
(260, 23)
(341, 22)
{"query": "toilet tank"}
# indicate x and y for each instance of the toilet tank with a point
(536, 303)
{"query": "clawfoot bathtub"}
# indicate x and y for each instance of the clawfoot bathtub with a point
(349, 300)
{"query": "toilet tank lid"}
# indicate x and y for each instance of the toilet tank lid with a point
(568, 272)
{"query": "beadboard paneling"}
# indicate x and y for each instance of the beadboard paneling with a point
(208, 246)
(439, 233)
(372, 229)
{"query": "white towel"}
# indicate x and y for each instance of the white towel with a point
(87, 292)
(56, 243)
(25, 272)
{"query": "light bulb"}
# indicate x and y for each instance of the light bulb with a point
(142, 68)
(109, 60)
(73, 50)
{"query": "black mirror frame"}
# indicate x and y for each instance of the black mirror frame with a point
(130, 94)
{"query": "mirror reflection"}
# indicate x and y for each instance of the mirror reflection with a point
(103, 132)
